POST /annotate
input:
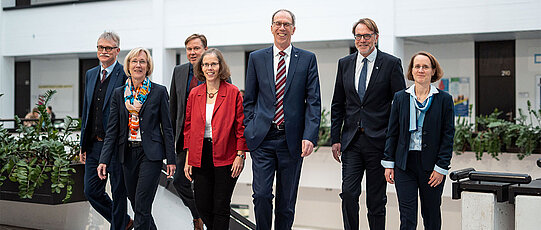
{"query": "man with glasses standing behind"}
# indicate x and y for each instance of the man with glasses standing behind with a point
(99, 84)
(282, 110)
(365, 85)
(182, 82)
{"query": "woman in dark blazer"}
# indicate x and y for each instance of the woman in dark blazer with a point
(419, 143)
(140, 127)
(213, 137)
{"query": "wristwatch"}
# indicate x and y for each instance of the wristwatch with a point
(243, 156)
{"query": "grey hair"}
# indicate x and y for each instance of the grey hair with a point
(287, 11)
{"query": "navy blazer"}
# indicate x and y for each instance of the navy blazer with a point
(117, 78)
(347, 111)
(302, 102)
(437, 136)
(154, 124)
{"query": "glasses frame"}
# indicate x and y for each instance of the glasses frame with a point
(280, 24)
(206, 65)
(106, 48)
(359, 36)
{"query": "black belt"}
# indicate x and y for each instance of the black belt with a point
(135, 144)
(278, 127)
(207, 139)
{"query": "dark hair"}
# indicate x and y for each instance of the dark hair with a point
(223, 72)
(284, 10)
(196, 36)
(368, 23)
(438, 74)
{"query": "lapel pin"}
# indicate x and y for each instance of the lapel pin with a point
(295, 55)
(377, 67)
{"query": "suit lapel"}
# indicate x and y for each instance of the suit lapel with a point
(183, 81)
(202, 98)
(293, 59)
(220, 98)
(149, 99)
(269, 62)
(113, 78)
(349, 76)
(92, 84)
(375, 72)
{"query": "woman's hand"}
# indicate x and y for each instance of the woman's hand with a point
(238, 164)
(188, 171)
(435, 179)
(102, 171)
(389, 175)
(171, 170)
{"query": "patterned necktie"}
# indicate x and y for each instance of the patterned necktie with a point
(280, 88)
(193, 83)
(103, 75)
(362, 80)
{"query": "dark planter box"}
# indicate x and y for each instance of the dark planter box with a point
(43, 195)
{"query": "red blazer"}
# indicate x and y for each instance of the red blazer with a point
(227, 126)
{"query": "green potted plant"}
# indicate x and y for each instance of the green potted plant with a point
(40, 158)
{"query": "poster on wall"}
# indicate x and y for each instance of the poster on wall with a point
(459, 88)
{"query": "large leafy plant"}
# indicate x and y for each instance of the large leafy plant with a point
(39, 153)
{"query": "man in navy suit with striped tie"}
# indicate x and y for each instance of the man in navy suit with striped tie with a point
(282, 109)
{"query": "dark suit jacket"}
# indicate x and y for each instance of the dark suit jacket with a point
(302, 103)
(117, 78)
(437, 136)
(347, 111)
(227, 126)
(177, 102)
(154, 123)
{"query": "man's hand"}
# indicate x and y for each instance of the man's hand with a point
(307, 148)
(435, 179)
(102, 171)
(171, 170)
(82, 156)
(336, 151)
(389, 175)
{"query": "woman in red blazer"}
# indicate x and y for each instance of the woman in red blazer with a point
(213, 137)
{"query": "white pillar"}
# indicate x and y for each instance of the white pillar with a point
(527, 212)
(158, 49)
(480, 211)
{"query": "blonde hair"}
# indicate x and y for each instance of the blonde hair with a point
(135, 52)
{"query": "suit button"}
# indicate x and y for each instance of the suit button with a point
(424, 145)
(424, 132)
(142, 131)
(362, 106)
(141, 119)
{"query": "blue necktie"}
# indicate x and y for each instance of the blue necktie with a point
(362, 80)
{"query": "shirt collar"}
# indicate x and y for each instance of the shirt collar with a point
(411, 91)
(371, 57)
(109, 69)
(276, 51)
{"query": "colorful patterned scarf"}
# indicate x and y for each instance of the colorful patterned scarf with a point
(134, 98)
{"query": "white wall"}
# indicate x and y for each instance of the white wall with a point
(426, 17)
(526, 70)
(61, 75)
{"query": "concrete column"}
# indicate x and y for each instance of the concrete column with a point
(527, 212)
(481, 211)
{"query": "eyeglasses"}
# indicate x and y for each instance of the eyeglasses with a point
(106, 48)
(425, 67)
(365, 36)
(141, 62)
(280, 24)
(206, 65)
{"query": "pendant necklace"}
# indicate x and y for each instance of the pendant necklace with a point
(211, 95)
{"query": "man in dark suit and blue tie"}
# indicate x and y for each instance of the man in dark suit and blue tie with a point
(365, 85)
(99, 84)
(282, 109)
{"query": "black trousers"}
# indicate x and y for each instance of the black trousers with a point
(142, 177)
(415, 179)
(213, 188)
(113, 210)
(363, 155)
(183, 185)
